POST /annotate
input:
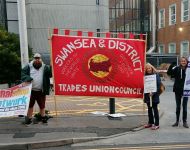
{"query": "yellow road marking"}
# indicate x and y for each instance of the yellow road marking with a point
(93, 104)
(82, 104)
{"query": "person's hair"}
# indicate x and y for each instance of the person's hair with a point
(183, 57)
(182, 65)
(153, 68)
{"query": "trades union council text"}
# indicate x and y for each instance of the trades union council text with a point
(98, 89)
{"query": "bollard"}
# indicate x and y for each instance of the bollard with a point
(112, 105)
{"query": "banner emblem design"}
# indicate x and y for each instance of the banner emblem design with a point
(100, 65)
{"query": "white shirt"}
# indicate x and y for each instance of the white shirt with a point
(37, 75)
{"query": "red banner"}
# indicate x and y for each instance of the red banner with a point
(90, 66)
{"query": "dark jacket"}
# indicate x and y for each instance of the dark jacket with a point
(47, 74)
(155, 97)
(179, 74)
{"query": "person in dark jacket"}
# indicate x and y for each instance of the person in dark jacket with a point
(179, 74)
(153, 113)
(39, 74)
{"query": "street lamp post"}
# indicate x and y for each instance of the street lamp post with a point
(22, 32)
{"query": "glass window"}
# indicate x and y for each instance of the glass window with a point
(122, 29)
(97, 2)
(117, 4)
(172, 48)
(161, 49)
(184, 48)
(117, 9)
(172, 14)
(146, 27)
(161, 18)
(121, 8)
(184, 10)
(113, 13)
(127, 27)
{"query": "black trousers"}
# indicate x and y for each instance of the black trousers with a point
(153, 114)
(178, 107)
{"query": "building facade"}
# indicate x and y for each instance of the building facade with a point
(85, 15)
(173, 20)
(3, 16)
(130, 16)
(9, 15)
(44, 15)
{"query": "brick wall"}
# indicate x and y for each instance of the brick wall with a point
(171, 33)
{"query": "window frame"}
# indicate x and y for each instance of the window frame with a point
(181, 44)
(169, 48)
(162, 10)
(170, 15)
(182, 10)
(159, 48)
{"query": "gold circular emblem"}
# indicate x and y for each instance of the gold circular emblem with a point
(99, 65)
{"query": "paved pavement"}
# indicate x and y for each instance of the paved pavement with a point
(63, 130)
(67, 129)
(167, 134)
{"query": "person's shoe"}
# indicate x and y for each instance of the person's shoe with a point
(28, 121)
(175, 124)
(147, 125)
(35, 121)
(185, 125)
(37, 118)
(155, 127)
(44, 120)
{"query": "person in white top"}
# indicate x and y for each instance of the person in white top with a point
(39, 74)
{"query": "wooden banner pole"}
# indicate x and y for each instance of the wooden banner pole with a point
(144, 72)
(50, 44)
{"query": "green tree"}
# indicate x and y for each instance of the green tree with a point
(10, 62)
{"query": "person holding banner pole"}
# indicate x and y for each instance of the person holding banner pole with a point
(39, 74)
(152, 99)
(179, 74)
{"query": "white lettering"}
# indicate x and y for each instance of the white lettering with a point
(113, 89)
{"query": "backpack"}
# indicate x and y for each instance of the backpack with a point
(162, 88)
